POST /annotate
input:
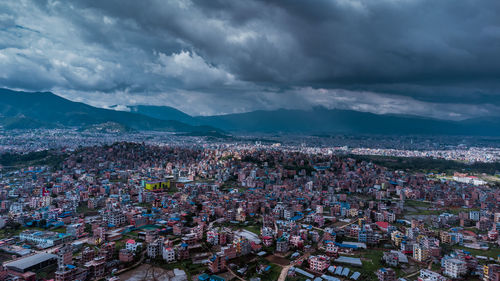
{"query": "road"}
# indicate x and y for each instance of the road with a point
(284, 271)
(236, 275)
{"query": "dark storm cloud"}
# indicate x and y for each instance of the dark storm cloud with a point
(423, 57)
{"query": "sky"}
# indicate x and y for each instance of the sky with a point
(437, 59)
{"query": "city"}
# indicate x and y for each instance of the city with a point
(229, 140)
(224, 211)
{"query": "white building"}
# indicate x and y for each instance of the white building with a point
(131, 245)
(427, 275)
(454, 268)
(168, 254)
(474, 215)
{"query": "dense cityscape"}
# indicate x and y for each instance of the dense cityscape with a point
(192, 208)
(226, 140)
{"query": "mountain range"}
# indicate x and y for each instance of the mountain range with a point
(46, 110)
(28, 110)
(320, 120)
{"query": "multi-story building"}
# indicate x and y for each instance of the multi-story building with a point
(296, 241)
(154, 249)
(367, 236)
(386, 274)
(420, 253)
(427, 275)
(454, 268)
(217, 263)
(96, 267)
(281, 245)
(242, 244)
(319, 263)
(213, 237)
(474, 215)
(168, 254)
(491, 272)
(125, 256)
(397, 237)
(75, 229)
(116, 218)
(44, 239)
(65, 270)
(132, 245)
(331, 249)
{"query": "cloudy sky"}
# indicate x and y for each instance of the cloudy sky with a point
(420, 57)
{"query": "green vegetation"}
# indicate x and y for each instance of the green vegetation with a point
(45, 157)
(427, 165)
(173, 189)
(189, 267)
(59, 229)
(84, 209)
(252, 268)
(417, 203)
(253, 228)
(372, 261)
(9, 232)
(491, 253)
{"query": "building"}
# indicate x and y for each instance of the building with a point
(125, 256)
(420, 253)
(242, 244)
(154, 249)
(474, 215)
(131, 245)
(331, 249)
(44, 239)
(96, 267)
(168, 254)
(454, 268)
(32, 263)
(64, 256)
(116, 218)
(76, 229)
(267, 241)
(217, 263)
(281, 245)
(367, 236)
(70, 273)
(391, 258)
(319, 263)
(157, 186)
(87, 254)
(427, 275)
(386, 274)
(491, 272)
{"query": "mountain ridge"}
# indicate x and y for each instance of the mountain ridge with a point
(53, 110)
(46, 110)
(322, 120)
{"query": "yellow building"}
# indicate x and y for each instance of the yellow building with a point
(419, 253)
(445, 237)
(157, 185)
(397, 237)
(353, 212)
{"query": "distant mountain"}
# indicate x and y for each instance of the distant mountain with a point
(23, 110)
(45, 109)
(163, 113)
(322, 120)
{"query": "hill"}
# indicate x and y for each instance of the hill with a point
(322, 120)
(163, 113)
(45, 109)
